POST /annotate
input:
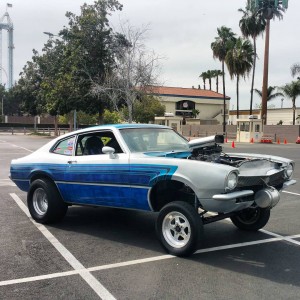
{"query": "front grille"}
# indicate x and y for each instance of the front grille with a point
(273, 180)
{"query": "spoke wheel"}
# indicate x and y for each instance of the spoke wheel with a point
(44, 202)
(251, 219)
(179, 227)
(176, 229)
(40, 201)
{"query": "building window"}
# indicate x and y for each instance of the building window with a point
(185, 105)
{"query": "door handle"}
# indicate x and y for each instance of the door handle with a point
(72, 162)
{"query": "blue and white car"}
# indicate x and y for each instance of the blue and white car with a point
(153, 168)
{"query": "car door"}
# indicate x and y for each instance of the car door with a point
(95, 178)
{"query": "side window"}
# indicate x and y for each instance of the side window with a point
(92, 143)
(65, 147)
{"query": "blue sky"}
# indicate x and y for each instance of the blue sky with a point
(180, 31)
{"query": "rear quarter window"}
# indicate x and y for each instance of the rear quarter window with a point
(64, 147)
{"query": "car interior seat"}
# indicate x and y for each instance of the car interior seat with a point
(93, 145)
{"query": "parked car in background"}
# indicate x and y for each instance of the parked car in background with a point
(153, 168)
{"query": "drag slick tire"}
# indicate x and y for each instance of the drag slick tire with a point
(251, 219)
(45, 203)
(178, 228)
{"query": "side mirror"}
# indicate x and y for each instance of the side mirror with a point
(109, 150)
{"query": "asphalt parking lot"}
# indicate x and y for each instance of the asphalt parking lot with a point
(114, 254)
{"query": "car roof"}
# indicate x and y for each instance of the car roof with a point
(115, 126)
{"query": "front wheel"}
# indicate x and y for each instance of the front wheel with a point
(251, 219)
(45, 203)
(179, 227)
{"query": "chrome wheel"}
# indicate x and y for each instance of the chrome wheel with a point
(40, 201)
(176, 229)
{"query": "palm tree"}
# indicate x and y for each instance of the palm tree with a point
(271, 94)
(239, 61)
(217, 73)
(252, 25)
(220, 48)
(268, 9)
(295, 69)
(210, 76)
(204, 76)
(292, 91)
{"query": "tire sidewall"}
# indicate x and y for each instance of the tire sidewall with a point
(56, 207)
(263, 216)
(195, 223)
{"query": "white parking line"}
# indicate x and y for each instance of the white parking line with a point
(142, 261)
(99, 289)
(92, 281)
(291, 193)
(16, 146)
(288, 239)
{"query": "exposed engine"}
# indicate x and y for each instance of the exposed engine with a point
(208, 150)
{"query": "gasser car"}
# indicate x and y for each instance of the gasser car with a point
(153, 168)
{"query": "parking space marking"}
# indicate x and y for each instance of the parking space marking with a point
(142, 261)
(85, 273)
(291, 193)
(288, 239)
(7, 182)
(99, 289)
(15, 146)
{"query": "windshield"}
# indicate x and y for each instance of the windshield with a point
(154, 139)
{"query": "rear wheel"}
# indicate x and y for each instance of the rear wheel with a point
(45, 203)
(251, 219)
(178, 228)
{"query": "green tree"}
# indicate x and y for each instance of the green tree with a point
(292, 91)
(271, 93)
(111, 117)
(239, 60)
(134, 72)
(220, 47)
(204, 77)
(145, 109)
(59, 80)
(195, 113)
(295, 70)
(268, 9)
(252, 24)
(217, 73)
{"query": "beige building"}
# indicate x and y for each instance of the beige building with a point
(275, 115)
(181, 104)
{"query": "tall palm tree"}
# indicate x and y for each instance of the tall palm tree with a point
(252, 25)
(217, 73)
(204, 76)
(220, 47)
(239, 61)
(268, 9)
(210, 76)
(295, 69)
(271, 93)
(292, 90)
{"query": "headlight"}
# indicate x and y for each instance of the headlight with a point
(231, 180)
(289, 171)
